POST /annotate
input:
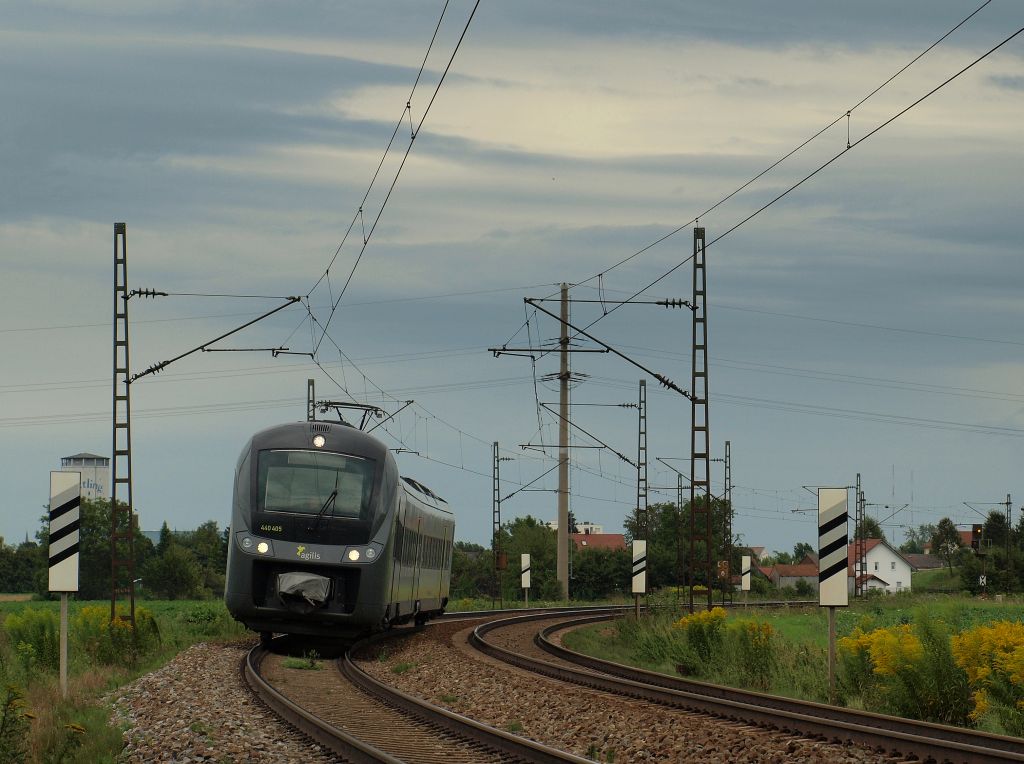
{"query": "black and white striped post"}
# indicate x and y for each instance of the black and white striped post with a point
(833, 560)
(639, 572)
(524, 564)
(745, 577)
(65, 519)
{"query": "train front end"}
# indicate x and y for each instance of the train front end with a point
(310, 539)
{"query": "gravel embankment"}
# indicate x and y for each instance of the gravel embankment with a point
(197, 709)
(590, 723)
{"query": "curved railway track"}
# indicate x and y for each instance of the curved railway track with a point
(363, 720)
(890, 735)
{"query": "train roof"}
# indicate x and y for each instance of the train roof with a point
(338, 437)
(422, 489)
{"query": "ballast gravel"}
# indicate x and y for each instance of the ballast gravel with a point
(197, 709)
(439, 666)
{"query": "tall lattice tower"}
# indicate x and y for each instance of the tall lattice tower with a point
(700, 435)
(860, 543)
(727, 590)
(122, 516)
(641, 463)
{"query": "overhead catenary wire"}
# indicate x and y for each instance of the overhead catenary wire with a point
(788, 154)
(808, 177)
(367, 236)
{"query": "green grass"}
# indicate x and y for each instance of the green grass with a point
(78, 729)
(803, 631)
(936, 579)
(309, 662)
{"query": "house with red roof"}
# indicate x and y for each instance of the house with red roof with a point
(882, 567)
(789, 575)
(611, 541)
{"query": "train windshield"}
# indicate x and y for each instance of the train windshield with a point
(314, 482)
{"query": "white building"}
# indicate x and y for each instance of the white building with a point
(95, 473)
(883, 567)
(584, 527)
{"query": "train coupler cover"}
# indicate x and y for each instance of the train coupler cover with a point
(303, 591)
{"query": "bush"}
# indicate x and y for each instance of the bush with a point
(14, 726)
(703, 631)
(114, 642)
(907, 670)
(751, 653)
(993, 658)
(655, 641)
(35, 635)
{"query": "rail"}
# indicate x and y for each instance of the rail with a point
(923, 739)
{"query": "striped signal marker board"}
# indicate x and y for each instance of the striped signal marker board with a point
(65, 519)
(833, 542)
(639, 566)
(524, 563)
(745, 573)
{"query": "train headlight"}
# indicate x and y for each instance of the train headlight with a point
(370, 553)
(353, 555)
(263, 547)
(319, 441)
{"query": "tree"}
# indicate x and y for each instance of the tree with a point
(870, 529)
(21, 567)
(527, 535)
(165, 538)
(668, 539)
(174, 575)
(663, 534)
(800, 550)
(917, 538)
(995, 530)
(472, 571)
(208, 545)
(804, 588)
(599, 573)
(777, 558)
(946, 541)
(94, 549)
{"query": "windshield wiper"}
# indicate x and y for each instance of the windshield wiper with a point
(319, 515)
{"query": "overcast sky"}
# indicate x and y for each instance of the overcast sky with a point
(869, 322)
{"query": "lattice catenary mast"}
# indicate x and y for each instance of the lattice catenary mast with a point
(700, 435)
(122, 517)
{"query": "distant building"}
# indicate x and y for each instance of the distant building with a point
(923, 561)
(613, 541)
(790, 575)
(883, 567)
(966, 540)
(95, 473)
(583, 527)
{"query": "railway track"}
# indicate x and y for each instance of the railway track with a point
(890, 735)
(363, 720)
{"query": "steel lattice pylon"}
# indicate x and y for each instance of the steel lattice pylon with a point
(860, 543)
(122, 517)
(496, 522)
(641, 463)
(727, 589)
(700, 435)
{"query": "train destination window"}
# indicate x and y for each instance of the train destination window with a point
(307, 482)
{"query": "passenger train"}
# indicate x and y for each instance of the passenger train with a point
(326, 538)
